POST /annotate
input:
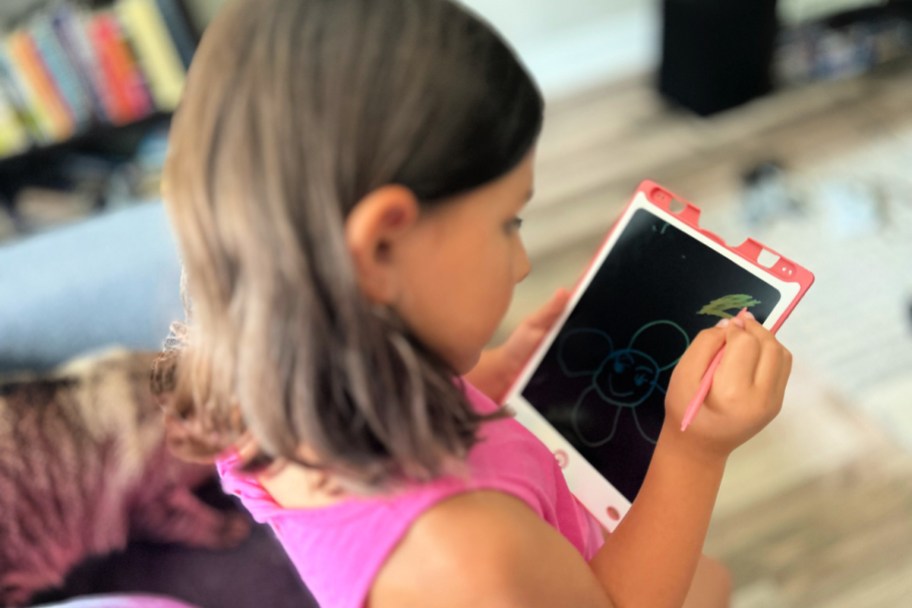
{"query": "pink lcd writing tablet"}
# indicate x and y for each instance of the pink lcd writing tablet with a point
(594, 390)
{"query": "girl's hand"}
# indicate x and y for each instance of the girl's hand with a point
(498, 367)
(746, 393)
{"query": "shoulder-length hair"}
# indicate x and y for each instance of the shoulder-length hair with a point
(294, 110)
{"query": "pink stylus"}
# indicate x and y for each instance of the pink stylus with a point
(705, 384)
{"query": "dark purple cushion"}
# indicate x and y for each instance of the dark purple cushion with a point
(253, 575)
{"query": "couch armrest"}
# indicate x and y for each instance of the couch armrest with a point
(109, 280)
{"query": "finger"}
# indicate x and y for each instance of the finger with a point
(701, 352)
(545, 317)
(527, 336)
(742, 353)
(769, 367)
(754, 328)
(776, 384)
(786, 372)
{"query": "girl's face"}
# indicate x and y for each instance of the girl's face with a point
(459, 265)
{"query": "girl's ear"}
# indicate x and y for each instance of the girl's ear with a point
(374, 230)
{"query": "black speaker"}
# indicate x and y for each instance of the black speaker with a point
(716, 54)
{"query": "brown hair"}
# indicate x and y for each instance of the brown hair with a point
(294, 110)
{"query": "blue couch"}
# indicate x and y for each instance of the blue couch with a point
(109, 280)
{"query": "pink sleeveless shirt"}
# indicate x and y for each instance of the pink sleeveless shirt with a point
(338, 550)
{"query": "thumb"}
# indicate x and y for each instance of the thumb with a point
(547, 314)
(530, 332)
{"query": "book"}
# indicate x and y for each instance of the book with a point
(13, 135)
(72, 24)
(180, 28)
(42, 94)
(155, 49)
(16, 94)
(36, 69)
(121, 72)
(60, 69)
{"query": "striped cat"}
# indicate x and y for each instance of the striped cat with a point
(84, 468)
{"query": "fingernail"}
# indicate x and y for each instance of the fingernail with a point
(738, 322)
(749, 315)
(723, 323)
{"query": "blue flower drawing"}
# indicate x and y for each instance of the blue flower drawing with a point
(622, 379)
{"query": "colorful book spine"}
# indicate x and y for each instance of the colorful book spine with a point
(13, 136)
(72, 26)
(61, 70)
(179, 27)
(42, 93)
(155, 49)
(119, 68)
(50, 94)
(17, 94)
(66, 21)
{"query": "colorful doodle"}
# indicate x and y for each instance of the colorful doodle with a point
(622, 379)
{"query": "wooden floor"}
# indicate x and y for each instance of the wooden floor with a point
(817, 510)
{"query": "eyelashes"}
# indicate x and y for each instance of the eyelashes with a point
(514, 224)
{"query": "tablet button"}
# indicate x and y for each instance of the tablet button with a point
(562, 458)
(613, 514)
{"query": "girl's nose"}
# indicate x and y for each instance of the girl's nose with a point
(522, 266)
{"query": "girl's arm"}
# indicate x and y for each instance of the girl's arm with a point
(506, 556)
(651, 558)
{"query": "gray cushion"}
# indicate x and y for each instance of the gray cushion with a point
(109, 280)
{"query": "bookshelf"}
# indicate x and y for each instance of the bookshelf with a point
(83, 85)
(822, 43)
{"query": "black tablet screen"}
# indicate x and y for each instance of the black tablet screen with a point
(602, 382)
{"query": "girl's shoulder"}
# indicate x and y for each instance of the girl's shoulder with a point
(341, 544)
(503, 551)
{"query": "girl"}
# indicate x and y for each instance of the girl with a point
(345, 180)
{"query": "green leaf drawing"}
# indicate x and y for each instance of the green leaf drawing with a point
(720, 306)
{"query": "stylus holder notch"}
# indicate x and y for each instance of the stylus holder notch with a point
(778, 264)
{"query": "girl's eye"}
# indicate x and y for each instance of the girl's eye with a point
(514, 224)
